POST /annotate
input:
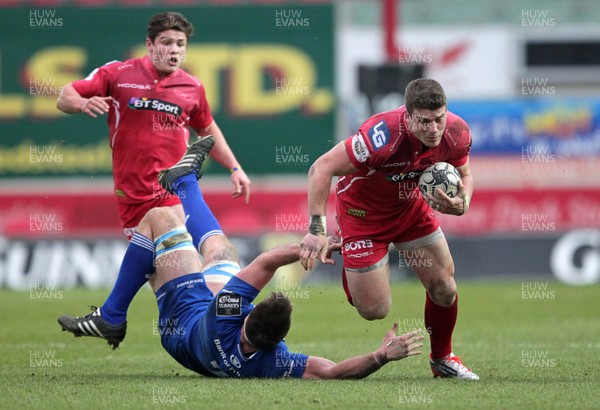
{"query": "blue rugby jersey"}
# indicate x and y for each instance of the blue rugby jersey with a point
(216, 345)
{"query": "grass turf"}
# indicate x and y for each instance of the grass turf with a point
(538, 349)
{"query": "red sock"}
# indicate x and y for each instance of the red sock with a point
(440, 321)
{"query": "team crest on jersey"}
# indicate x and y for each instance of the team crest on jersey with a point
(229, 304)
(142, 103)
(379, 135)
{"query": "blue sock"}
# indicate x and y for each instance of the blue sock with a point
(200, 223)
(137, 266)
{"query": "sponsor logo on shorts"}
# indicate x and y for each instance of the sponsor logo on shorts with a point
(229, 304)
(138, 86)
(189, 283)
(359, 148)
(359, 255)
(402, 176)
(154, 104)
(357, 212)
(361, 244)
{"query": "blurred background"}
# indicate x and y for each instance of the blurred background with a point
(286, 80)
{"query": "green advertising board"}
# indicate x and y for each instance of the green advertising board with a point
(268, 73)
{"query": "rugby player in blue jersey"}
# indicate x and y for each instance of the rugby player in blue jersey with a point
(224, 334)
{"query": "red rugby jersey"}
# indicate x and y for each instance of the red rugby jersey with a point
(148, 121)
(390, 160)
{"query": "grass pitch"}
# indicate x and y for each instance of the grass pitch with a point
(534, 345)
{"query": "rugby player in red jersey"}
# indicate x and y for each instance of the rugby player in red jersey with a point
(378, 202)
(150, 102)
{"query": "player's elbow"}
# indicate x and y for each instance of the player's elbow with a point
(321, 170)
(314, 168)
(60, 104)
(320, 368)
(209, 130)
(64, 101)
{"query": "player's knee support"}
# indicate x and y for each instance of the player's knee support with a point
(176, 239)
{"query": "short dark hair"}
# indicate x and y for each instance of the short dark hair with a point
(424, 93)
(270, 321)
(169, 20)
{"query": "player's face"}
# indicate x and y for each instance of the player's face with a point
(428, 125)
(168, 51)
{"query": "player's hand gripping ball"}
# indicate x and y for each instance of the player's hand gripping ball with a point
(440, 175)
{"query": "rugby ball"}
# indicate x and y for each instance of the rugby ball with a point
(440, 175)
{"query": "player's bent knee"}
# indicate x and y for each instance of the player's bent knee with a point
(374, 311)
(156, 218)
(369, 289)
(157, 213)
(148, 221)
(218, 248)
(442, 292)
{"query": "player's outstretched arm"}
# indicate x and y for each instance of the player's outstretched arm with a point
(70, 102)
(335, 162)
(261, 270)
(392, 348)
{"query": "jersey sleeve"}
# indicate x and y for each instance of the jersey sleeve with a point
(459, 155)
(285, 363)
(201, 117)
(242, 288)
(97, 83)
(369, 147)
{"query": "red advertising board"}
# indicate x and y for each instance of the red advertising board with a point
(501, 210)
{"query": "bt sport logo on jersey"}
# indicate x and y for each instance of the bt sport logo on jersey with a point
(154, 104)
